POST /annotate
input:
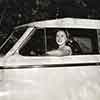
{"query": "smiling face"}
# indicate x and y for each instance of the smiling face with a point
(61, 38)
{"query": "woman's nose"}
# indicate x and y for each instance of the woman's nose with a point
(59, 38)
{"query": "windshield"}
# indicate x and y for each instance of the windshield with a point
(10, 40)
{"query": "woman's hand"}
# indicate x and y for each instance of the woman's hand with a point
(32, 53)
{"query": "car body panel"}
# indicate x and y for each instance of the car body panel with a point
(63, 83)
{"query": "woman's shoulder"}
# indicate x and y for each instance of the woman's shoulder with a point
(67, 47)
(68, 50)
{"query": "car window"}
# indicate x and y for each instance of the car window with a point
(10, 40)
(82, 41)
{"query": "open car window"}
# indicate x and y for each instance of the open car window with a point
(83, 42)
(10, 40)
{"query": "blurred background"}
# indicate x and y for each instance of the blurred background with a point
(16, 12)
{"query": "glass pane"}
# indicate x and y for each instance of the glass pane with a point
(10, 40)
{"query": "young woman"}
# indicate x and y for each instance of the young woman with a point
(63, 49)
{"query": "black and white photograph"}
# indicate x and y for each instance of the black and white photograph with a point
(49, 50)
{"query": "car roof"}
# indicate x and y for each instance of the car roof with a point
(65, 23)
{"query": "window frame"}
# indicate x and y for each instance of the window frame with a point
(19, 60)
(45, 37)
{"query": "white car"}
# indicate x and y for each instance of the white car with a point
(28, 74)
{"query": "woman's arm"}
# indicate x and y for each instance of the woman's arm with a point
(60, 52)
(54, 53)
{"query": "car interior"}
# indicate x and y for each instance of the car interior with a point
(82, 42)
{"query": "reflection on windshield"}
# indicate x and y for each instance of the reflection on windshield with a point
(11, 40)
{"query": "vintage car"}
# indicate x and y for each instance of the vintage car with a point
(26, 73)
